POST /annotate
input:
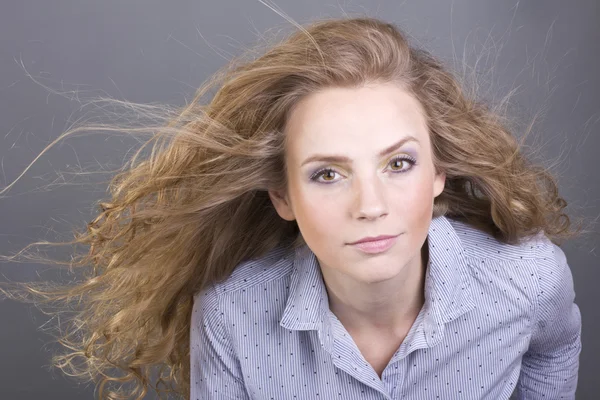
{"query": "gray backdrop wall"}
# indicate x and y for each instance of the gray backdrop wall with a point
(158, 51)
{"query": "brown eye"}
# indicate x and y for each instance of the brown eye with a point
(328, 174)
(398, 162)
(324, 175)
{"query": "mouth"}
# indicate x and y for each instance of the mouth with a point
(375, 245)
(374, 239)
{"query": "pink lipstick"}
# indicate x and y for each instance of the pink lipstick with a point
(374, 245)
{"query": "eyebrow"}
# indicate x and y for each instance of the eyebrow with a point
(337, 158)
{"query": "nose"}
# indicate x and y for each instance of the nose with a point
(369, 198)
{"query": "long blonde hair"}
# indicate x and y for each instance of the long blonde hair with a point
(196, 205)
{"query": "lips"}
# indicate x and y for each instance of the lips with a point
(375, 245)
(374, 239)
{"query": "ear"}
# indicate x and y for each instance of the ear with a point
(282, 205)
(439, 183)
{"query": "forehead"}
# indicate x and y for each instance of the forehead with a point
(354, 120)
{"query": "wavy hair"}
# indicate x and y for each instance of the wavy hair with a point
(185, 213)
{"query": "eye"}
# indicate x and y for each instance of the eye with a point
(403, 160)
(325, 172)
(328, 174)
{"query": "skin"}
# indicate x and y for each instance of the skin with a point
(375, 296)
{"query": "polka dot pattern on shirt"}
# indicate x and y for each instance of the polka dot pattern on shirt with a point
(493, 314)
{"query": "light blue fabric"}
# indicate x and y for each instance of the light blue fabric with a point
(497, 319)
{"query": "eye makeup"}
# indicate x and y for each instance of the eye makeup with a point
(410, 160)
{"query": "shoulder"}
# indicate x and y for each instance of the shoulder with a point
(548, 257)
(535, 268)
(537, 254)
(271, 269)
(273, 266)
(479, 244)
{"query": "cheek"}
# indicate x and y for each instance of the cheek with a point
(415, 205)
(318, 215)
(420, 199)
(420, 187)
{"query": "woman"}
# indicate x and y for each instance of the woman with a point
(339, 221)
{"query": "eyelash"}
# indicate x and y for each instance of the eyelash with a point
(410, 160)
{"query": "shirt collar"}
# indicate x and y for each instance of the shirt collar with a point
(448, 292)
(307, 300)
(447, 285)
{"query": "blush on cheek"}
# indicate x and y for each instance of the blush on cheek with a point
(316, 220)
(418, 207)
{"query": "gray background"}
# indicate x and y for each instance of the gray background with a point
(158, 51)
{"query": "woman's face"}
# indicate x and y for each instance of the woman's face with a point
(359, 165)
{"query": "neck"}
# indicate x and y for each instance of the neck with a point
(383, 306)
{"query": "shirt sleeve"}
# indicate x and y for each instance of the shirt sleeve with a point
(550, 366)
(214, 368)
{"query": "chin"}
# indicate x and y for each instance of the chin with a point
(373, 280)
(381, 274)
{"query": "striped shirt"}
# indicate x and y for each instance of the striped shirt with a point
(499, 321)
